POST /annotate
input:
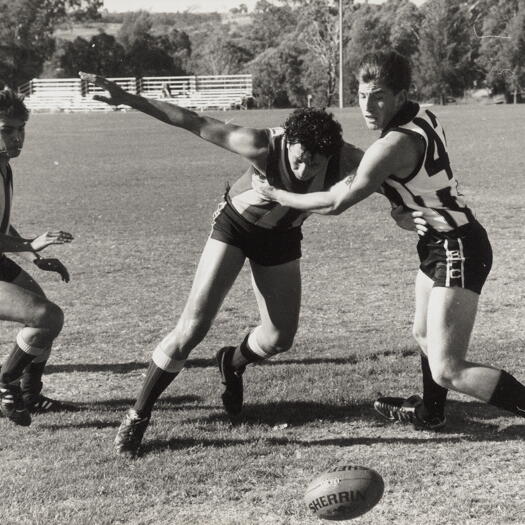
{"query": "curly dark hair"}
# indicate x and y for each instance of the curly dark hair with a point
(389, 67)
(315, 129)
(12, 104)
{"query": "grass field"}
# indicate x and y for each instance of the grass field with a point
(138, 196)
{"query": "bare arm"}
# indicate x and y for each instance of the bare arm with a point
(396, 154)
(250, 143)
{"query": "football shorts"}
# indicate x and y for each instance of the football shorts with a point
(461, 258)
(9, 270)
(261, 245)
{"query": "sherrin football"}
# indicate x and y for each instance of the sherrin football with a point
(344, 492)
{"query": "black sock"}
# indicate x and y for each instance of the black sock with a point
(31, 381)
(509, 394)
(156, 381)
(434, 395)
(244, 355)
(14, 365)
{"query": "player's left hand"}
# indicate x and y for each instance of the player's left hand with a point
(53, 265)
(263, 188)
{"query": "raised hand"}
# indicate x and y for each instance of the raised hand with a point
(49, 238)
(117, 94)
(53, 265)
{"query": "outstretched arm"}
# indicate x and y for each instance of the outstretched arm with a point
(392, 155)
(250, 143)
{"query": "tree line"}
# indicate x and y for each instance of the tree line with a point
(290, 47)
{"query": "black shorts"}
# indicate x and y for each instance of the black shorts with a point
(261, 245)
(9, 270)
(461, 258)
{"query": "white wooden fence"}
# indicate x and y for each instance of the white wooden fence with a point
(195, 92)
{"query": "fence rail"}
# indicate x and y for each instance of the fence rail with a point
(195, 92)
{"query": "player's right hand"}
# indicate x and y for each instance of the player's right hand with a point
(116, 92)
(49, 238)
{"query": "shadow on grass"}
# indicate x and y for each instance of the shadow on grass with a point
(467, 421)
(131, 366)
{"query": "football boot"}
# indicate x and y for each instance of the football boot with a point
(232, 397)
(407, 411)
(130, 433)
(12, 405)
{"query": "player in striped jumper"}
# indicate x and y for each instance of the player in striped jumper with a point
(409, 164)
(307, 154)
(21, 298)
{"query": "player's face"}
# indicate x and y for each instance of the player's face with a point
(12, 134)
(379, 104)
(305, 165)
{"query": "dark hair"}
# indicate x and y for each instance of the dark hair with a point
(388, 67)
(315, 129)
(12, 104)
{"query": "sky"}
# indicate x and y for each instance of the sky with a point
(195, 6)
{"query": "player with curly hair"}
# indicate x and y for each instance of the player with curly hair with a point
(307, 154)
(21, 298)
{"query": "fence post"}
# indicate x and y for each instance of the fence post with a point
(193, 84)
(83, 87)
(138, 85)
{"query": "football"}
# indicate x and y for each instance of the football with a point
(344, 492)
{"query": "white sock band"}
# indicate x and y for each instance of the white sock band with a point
(165, 362)
(28, 349)
(255, 347)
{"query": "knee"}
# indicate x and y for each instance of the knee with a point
(445, 373)
(420, 336)
(278, 341)
(50, 318)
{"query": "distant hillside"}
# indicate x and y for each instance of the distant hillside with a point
(185, 21)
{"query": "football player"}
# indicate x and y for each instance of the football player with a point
(307, 154)
(409, 163)
(21, 298)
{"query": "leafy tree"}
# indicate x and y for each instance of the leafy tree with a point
(271, 24)
(278, 77)
(502, 50)
(447, 50)
(26, 33)
(217, 52)
(136, 26)
(318, 32)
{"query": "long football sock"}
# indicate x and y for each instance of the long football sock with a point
(243, 355)
(434, 395)
(509, 394)
(156, 381)
(14, 365)
(31, 381)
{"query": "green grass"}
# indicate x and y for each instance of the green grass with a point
(138, 196)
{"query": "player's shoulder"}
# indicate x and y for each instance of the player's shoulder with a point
(275, 132)
(350, 154)
(398, 142)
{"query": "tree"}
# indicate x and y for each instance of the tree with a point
(217, 52)
(26, 33)
(318, 32)
(502, 50)
(447, 50)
